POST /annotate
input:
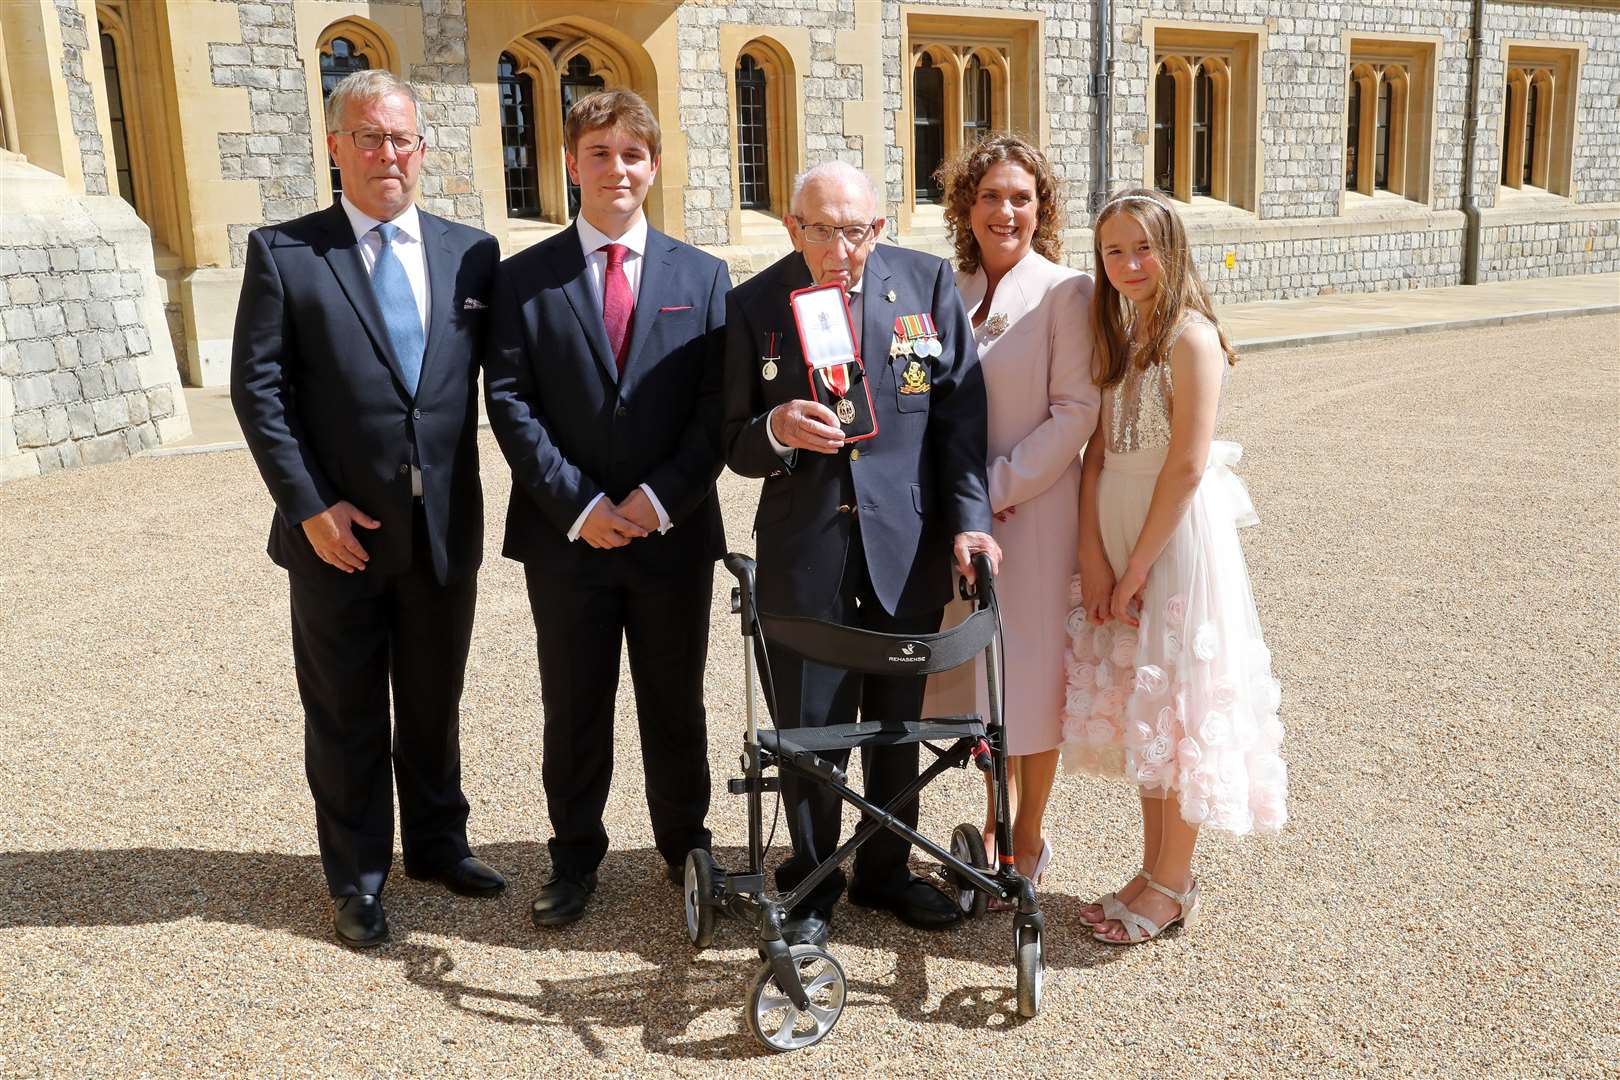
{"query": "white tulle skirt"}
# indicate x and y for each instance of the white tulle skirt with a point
(1185, 704)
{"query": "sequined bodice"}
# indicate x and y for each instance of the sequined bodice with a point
(1139, 404)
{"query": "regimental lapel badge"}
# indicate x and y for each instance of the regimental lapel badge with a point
(995, 325)
(914, 379)
(889, 296)
(773, 353)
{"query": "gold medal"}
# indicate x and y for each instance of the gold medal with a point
(846, 411)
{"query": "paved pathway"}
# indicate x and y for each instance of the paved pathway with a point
(1437, 573)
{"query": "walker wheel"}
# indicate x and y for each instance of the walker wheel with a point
(699, 896)
(1031, 962)
(968, 845)
(772, 1016)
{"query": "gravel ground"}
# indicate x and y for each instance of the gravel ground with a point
(1436, 570)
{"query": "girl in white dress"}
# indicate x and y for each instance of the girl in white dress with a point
(1170, 683)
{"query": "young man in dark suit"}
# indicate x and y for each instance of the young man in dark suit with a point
(859, 533)
(354, 375)
(603, 384)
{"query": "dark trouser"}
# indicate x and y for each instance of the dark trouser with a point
(349, 644)
(808, 694)
(664, 622)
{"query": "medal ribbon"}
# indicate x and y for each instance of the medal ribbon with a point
(836, 378)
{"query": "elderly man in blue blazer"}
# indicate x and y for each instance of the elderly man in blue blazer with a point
(603, 381)
(863, 533)
(354, 375)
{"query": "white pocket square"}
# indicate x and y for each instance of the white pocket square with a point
(473, 304)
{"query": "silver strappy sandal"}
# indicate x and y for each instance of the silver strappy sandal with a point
(1110, 902)
(1140, 929)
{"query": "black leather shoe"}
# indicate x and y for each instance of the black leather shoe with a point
(359, 921)
(562, 899)
(466, 877)
(808, 925)
(916, 903)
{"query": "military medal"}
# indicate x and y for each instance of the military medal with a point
(773, 354)
(832, 355)
(915, 335)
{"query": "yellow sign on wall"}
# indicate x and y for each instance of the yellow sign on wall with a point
(1231, 259)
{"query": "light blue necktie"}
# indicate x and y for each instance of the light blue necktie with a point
(399, 309)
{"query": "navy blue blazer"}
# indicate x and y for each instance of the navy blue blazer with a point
(323, 406)
(572, 428)
(916, 484)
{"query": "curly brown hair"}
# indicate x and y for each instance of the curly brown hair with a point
(960, 176)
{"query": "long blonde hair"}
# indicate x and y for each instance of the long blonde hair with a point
(1180, 288)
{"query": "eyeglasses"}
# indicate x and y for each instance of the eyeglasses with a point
(855, 235)
(406, 142)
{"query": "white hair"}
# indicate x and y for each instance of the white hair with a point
(369, 85)
(840, 172)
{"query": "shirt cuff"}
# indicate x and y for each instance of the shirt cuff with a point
(783, 451)
(579, 522)
(664, 524)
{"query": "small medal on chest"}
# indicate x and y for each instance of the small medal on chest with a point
(915, 335)
(773, 353)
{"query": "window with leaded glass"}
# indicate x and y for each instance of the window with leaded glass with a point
(1203, 132)
(578, 80)
(115, 113)
(928, 127)
(1164, 130)
(339, 59)
(753, 149)
(975, 102)
(517, 138)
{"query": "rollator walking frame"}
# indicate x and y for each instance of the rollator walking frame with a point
(799, 991)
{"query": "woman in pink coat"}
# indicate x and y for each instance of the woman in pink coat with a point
(1031, 318)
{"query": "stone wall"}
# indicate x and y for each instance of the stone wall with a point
(1547, 249)
(81, 97)
(705, 101)
(278, 151)
(83, 379)
(450, 109)
(1595, 176)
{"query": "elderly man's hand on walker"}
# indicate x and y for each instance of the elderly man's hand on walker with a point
(969, 544)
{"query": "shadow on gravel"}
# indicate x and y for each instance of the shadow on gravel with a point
(635, 911)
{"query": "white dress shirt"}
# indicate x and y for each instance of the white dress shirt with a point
(408, 250)
(782, 449)
(592, 241)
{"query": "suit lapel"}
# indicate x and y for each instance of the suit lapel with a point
(656, 273)
(441, 285)
(877, 315)
(343, 256)
(569, 267)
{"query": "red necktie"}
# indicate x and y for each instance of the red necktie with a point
(617, 303)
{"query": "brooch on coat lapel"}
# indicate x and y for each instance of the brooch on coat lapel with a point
(995, 325)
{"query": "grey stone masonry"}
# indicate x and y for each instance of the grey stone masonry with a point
(81, 97)
(705, 99)
(450, 110)
(82, 378)
(278, 152)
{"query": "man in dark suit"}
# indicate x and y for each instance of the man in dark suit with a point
(603, 384)
(354, 374)
(861, 534)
